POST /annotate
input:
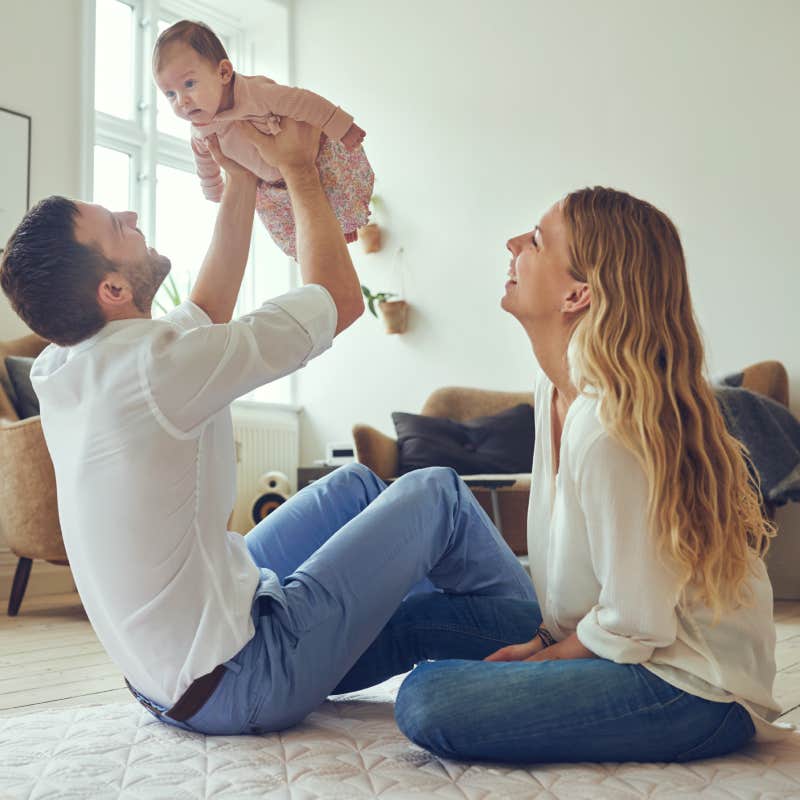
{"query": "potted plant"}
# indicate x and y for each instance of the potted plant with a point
(172, 292)
(370, 234)
(394, 312)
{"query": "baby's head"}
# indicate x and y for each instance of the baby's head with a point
(193, 70)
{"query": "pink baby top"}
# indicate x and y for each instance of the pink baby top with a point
(262, 102)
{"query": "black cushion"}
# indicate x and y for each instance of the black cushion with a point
(25, 400)
(501, 443)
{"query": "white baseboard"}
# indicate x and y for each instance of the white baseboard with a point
(45, 578)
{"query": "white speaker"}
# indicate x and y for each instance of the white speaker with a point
(276, 490)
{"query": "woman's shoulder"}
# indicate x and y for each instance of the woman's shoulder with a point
(590, 446)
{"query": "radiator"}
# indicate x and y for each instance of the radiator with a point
(266, 439)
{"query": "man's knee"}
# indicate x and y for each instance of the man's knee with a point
(353, 471)
(433, 480)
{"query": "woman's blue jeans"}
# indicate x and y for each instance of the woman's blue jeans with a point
(571, 710)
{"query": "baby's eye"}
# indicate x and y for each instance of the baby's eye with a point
(169, 95)
(188, 84)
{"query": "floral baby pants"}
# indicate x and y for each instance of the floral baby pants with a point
(347, 179)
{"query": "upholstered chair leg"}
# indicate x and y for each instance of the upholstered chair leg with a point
(18, 587)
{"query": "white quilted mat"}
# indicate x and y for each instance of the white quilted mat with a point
(349, 749)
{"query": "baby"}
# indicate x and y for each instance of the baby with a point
(191, 67)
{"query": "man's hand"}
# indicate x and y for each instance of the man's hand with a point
(230, 166)
(534, 650)
(295, 146)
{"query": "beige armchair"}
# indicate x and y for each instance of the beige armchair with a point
(28, 511)
(379, 451)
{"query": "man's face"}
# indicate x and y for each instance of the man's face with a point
(121, 242)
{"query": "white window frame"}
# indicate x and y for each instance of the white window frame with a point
(139, 138)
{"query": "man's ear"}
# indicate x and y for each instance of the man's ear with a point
(578, 300)
(114, 293)
(225, 70)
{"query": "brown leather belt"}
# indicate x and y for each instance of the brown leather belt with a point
(191, 701)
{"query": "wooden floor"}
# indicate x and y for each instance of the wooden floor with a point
(50, 658)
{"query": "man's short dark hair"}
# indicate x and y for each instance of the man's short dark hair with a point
(50, 278)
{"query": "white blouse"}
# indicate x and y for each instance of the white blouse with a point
(596, 571)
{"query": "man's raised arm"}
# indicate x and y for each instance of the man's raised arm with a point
(322, 250)
(220, 278)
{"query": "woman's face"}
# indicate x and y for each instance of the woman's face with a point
(540, 286)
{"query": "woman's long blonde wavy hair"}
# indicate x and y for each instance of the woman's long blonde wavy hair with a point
(639, 347)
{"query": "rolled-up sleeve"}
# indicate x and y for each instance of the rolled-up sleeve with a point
(635, 612)
(191, 372)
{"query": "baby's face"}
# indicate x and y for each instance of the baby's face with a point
(192, 85)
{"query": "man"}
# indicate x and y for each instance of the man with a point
(215, 632)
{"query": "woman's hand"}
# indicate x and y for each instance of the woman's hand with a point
(534, 650)
(517, 652)
(570, 647)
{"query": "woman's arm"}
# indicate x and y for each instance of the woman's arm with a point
(635, 610)
(535, 650)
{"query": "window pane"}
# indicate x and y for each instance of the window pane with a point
(113, 54)
(112, 178)
(184, 224)
(167, 121)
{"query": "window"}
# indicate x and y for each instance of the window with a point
(142, 159)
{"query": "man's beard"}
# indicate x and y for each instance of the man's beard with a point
(145, 279)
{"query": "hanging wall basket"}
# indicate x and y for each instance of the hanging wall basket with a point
(395, 315)
(370, 237)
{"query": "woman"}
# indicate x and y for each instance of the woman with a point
(652, 639)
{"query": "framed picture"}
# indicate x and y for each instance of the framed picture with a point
(15, 170)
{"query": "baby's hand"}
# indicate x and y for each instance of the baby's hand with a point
(353, 137)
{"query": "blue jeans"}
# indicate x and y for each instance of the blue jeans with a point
(347, 550)
(571, 710)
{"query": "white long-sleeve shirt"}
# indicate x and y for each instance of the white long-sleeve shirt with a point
(596, 572)
(138, 425)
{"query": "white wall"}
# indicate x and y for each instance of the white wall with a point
(481, 114)
(40, 43)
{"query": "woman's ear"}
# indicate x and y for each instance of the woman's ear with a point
(225, 71)
(578, 300)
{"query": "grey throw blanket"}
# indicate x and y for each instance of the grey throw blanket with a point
(770, 432)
